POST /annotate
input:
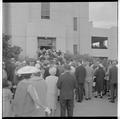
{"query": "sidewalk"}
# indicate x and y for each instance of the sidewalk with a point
(94, 107)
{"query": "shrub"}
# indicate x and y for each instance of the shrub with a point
(9, 51)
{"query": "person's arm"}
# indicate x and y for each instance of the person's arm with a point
(32, 91)
(10, 95)
(76, 73)
(75, 83)
(109, 74)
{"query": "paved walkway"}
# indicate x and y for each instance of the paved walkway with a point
(94, 107)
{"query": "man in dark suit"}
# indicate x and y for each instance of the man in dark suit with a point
(80, 74)
(66, 83)
(113, 77)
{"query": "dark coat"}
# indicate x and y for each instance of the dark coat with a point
(66, 83)
(80, 74)
(10, 69)
(100, 75)
(113, 74)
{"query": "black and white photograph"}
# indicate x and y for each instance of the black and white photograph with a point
(60, 59)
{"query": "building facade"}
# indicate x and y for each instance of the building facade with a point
(62, 26)
(104, 42)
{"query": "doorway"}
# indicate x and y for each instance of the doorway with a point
(45, 47)
(46, 42)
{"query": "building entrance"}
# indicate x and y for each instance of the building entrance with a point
(45, 47)
(46, 42)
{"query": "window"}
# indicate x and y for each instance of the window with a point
(75, 49)
(99, 42)
(75, 23)
(45, 10)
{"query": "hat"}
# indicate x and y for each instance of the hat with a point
(27, 70)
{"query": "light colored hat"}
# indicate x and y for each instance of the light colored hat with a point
(52, 70)
(28, 70)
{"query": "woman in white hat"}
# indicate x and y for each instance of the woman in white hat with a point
(52, 91)
(30, 96)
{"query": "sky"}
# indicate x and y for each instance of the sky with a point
(103, 14)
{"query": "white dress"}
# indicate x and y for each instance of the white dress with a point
(6, 98)
(52, 91)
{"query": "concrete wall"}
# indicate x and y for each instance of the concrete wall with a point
(18, 19)
(25, 24)
(44, 29)
(100, 33)
(85, 33)
(23, 21)
(112, 51)
(113, 43)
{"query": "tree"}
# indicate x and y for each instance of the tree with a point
(9, 51)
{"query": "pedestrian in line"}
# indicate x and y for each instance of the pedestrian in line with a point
(88, 81)
(107, 78)
(113, 77)
(52, 91)
(80, 74)
(66, 84)
(99, 77)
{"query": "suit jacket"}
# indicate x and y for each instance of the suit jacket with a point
(10, 69)
(66, 83)
(113, 74)
(80, 74)
(89, 74)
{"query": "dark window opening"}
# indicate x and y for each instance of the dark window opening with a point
(75, 23)
(45, 10)
(99, 42)
(47, 42)
(75, 49)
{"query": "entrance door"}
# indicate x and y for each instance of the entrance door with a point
(46, 42)
(46, 47)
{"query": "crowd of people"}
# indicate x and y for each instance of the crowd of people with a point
(34, 88)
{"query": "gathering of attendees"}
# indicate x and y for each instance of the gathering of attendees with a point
(35, 88)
